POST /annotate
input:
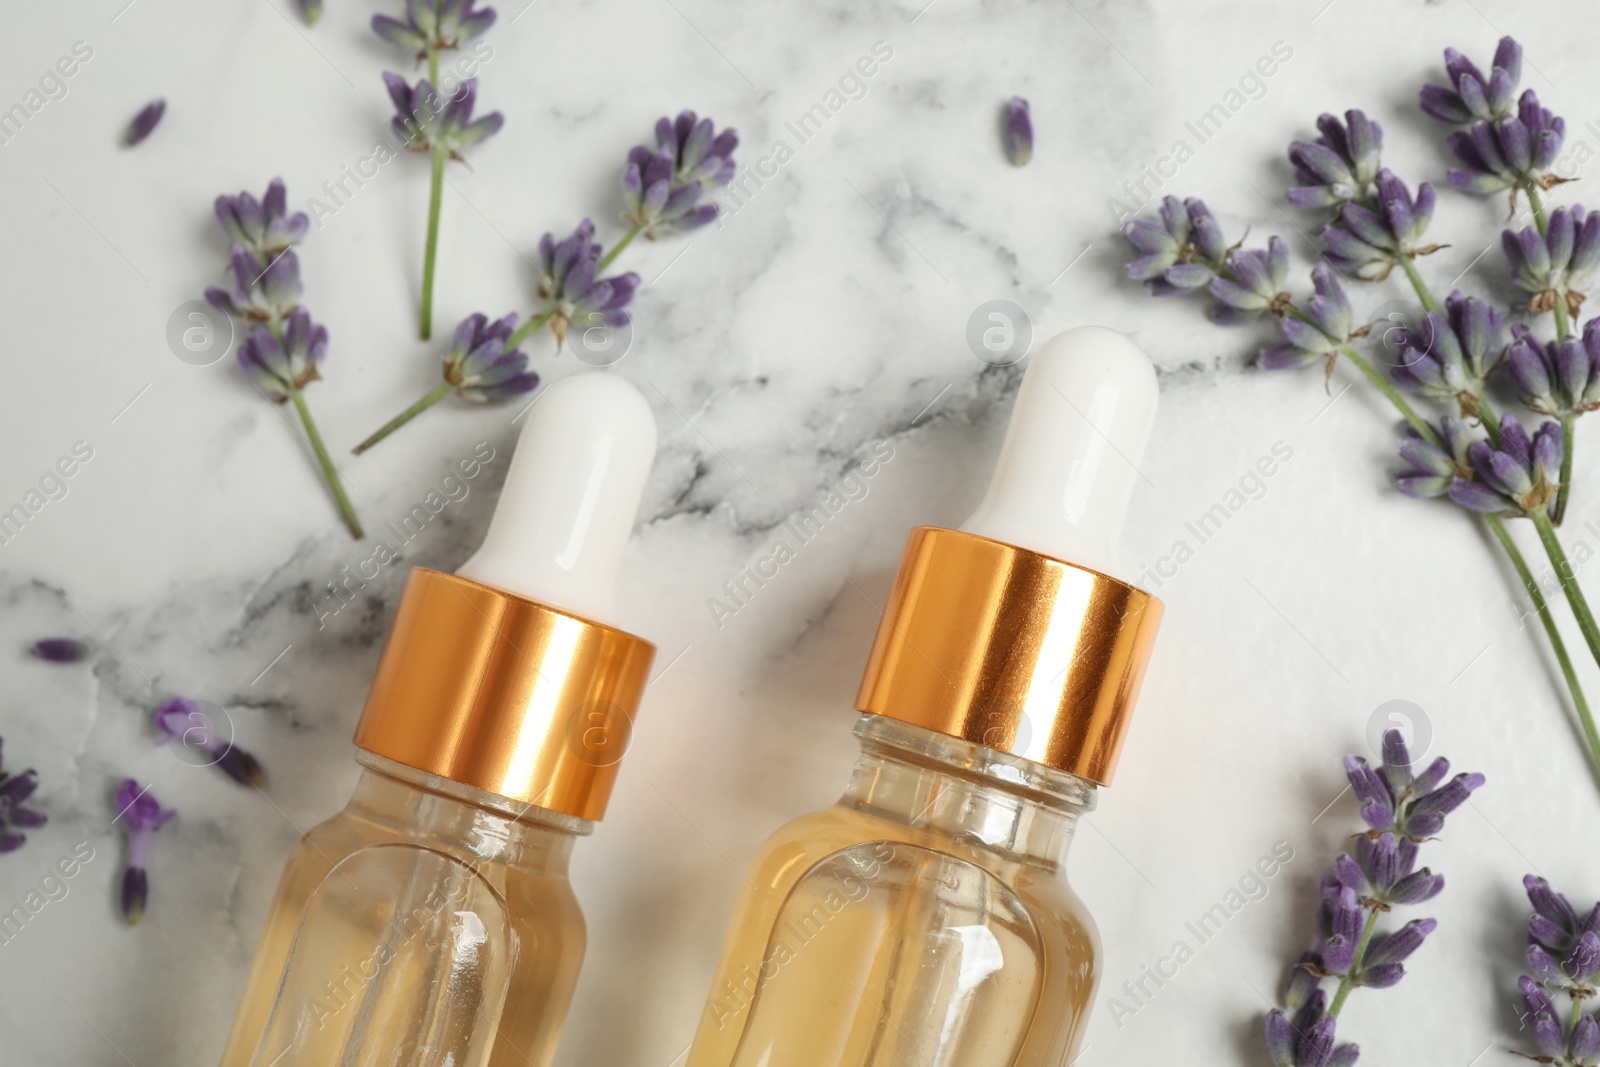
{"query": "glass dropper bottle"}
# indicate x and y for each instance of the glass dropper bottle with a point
(925, 920)
(431, 923)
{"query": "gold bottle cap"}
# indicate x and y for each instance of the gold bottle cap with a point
(505, 694)
(1011, 649)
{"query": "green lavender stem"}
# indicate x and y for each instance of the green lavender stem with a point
(434, 395)
(1387, 388)
(1424, 294)
(526, 330)
(1569, 427)
(1536, 595)
(329, 472)
(616, 249)
(435, 196)
(1569, 581)
(1536, 202)
(1348, 981)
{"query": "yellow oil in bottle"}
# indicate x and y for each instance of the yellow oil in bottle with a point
(923, 921)
(428, 924)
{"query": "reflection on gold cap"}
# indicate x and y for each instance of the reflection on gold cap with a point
(1011, 649)
(505, 694)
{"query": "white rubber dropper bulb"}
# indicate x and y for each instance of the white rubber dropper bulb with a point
(571, 497)
(1071, 453)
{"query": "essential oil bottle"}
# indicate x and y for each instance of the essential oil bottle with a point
(431, 923)
(925, 919)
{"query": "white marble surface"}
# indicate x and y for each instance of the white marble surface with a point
(828, 313)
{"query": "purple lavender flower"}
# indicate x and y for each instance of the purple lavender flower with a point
(481, 366)
(1559, 378)
(1470, 95)
(434, 25)
(1393, 799)
(1017, 131)
(187, 723)
(1356, 891)
(662, 188)
(1367, 242)
(1256, 285)
(1185, 252)
(260, 294)
(1563, 947)
(1384, 871)
(1330, 326)
(144, 123)
(61, 650)
(263, 226)
(1519, 477)
(1559, 263)
(280, 368)
(1340, 165)
(1558, 1045)
(1509, 152)
(426, 122)
(1307, 1040)
(142, 813)
(1450, 356)
(15, 789)
(1433, 470)
(569, 287)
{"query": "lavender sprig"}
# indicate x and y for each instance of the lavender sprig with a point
(1447, 356)
(1564, 961)
(283, 349)
(482, 365)
(1401, 810)
(425, 121)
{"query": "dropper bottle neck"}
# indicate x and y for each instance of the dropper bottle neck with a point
(1012, 808)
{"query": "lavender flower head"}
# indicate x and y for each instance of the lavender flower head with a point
(1183, 253)
(61, 650)
(1256, 285)
(426, 122)
(186, 722)
(1400, 808)
(480, 366)
(1470, 95)
(1450, 356)
(1559, 378)
(144, 123)
(569, 287)
(1558, 1045)
(662, 189)
(1393, 799)
(1560, 262)
(15, 789)
(1331, 325)
(1308, 1039)
(1367, 242)
(1509, 152)
(259, 294)
(435, 24)
(263, 226)
(1563, 946)
(1520, 476)
(1017, 131)
(143, 814)
(1340, 165)
(1431, 469)
(280, 368)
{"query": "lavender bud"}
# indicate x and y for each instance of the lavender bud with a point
(1018, 127)
(144, 123)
